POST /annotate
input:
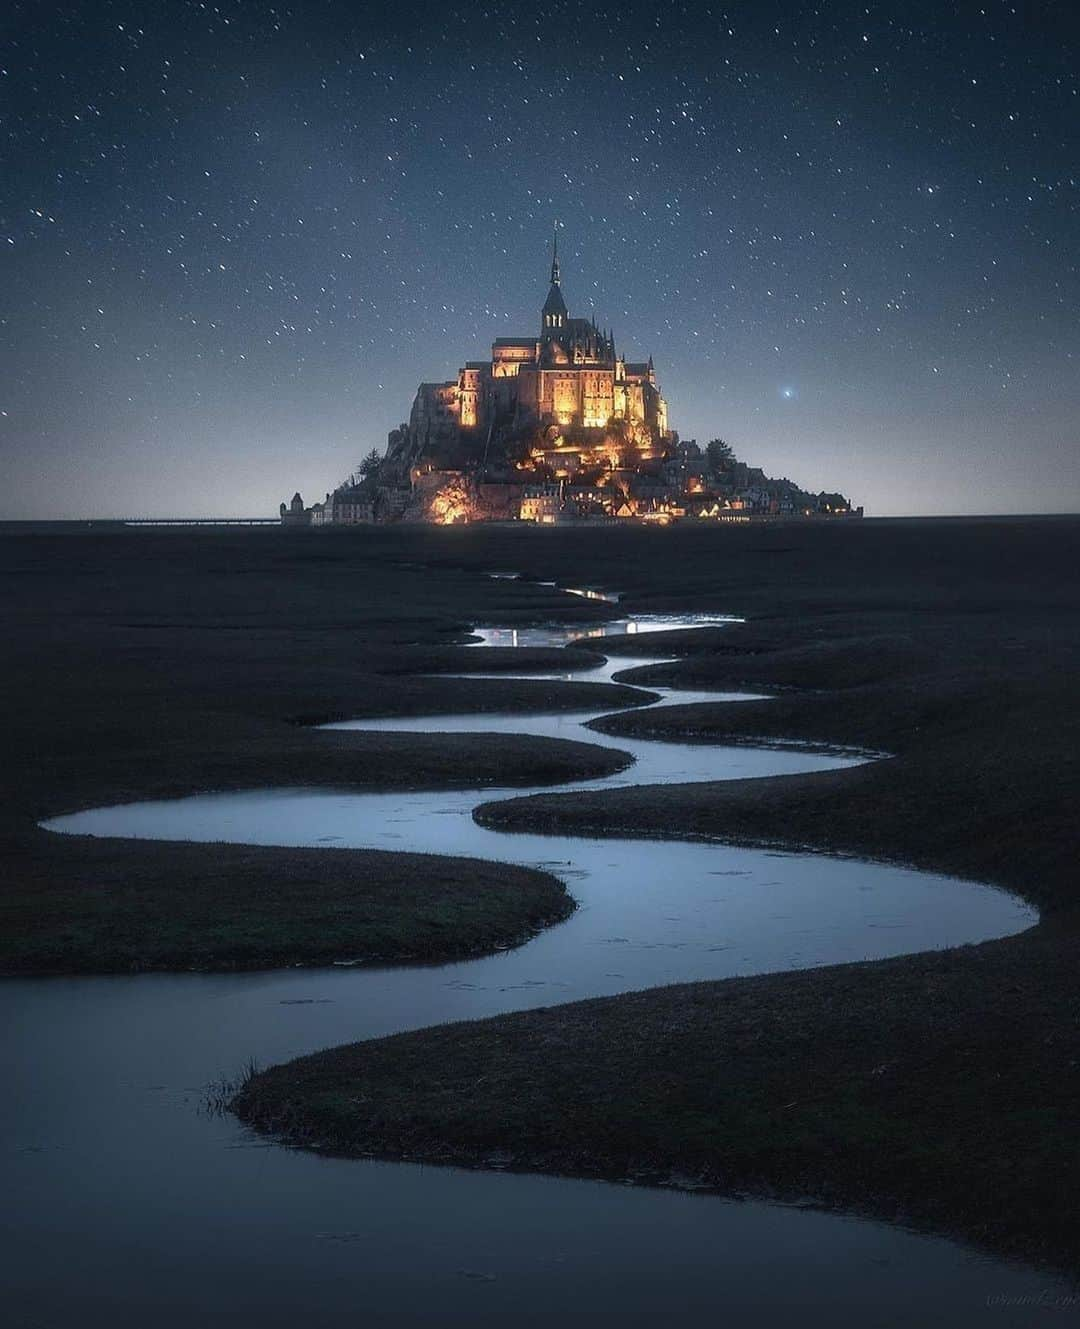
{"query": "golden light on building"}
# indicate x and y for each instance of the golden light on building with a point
(451, 505)
(559, 405)
(569, 374)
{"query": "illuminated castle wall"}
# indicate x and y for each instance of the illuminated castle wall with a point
(568, 375)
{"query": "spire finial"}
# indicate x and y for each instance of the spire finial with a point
(555, 279)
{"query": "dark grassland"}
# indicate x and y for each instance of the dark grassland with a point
(940, 1089)
(151, 664)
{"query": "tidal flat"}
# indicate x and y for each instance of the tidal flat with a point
(161, 663)
(937, 1089)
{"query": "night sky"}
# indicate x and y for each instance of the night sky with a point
(235, 236)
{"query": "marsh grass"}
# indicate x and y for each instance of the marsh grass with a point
(219, 1095)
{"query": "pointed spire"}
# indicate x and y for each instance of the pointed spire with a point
(554, 315)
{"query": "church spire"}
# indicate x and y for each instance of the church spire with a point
(554, 315)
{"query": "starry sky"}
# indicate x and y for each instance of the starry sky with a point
(235, 236)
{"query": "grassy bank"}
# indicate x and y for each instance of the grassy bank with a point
(117, 906)
(939, 1089)
(982, 781)
(76, 904)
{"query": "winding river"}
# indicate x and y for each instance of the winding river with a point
(128, 1204)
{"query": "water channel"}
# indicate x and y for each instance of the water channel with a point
(126, 1204)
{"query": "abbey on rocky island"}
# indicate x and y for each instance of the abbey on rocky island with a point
(554, 427)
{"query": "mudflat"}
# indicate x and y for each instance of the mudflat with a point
(155, 663)
(939, 1089)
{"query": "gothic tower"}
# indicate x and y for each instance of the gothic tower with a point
(554, 314)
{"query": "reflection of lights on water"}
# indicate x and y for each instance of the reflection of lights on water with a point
(555, 636)
(589, 594)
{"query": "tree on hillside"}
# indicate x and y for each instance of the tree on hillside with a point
(367, 470)
(721, 455)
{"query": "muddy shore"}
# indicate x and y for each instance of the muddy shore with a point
(939, 1089)
(154, 664)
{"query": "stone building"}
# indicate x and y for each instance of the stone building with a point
(567, 375)
(541, 503)
(294, 514)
